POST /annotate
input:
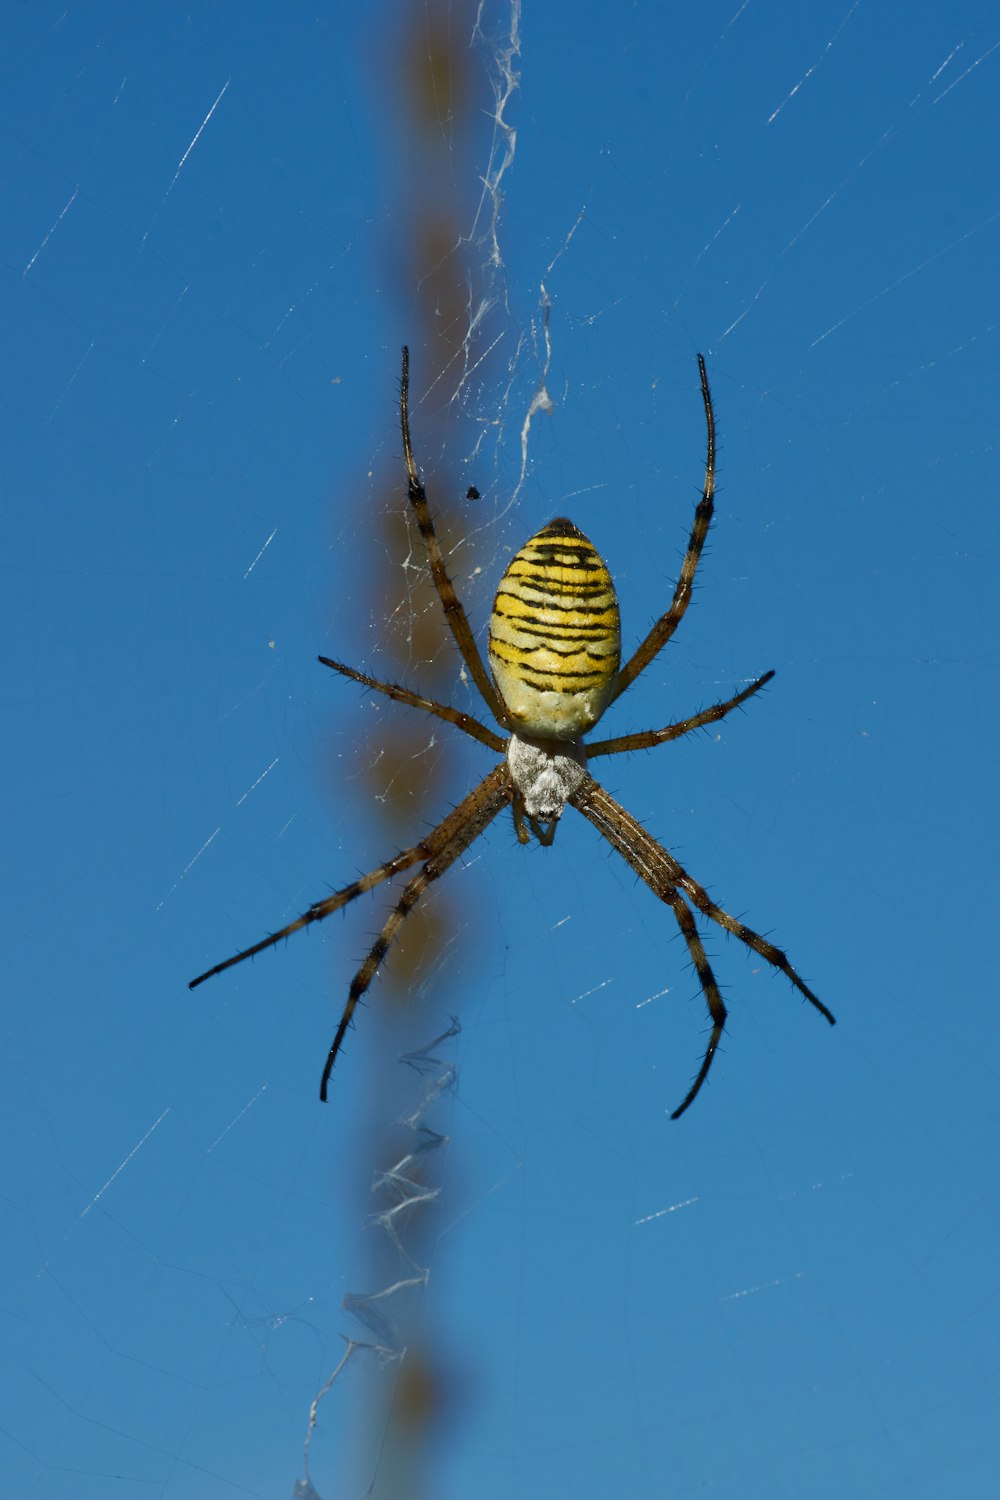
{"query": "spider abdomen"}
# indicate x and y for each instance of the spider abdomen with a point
(555, 635)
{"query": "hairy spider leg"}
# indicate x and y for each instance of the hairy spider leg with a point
(448, 841)
(709, 987)
(496, 783)
(464, 721)
(321, 909)
(666, 879)
(774, 955)
(454, 611)
(668, 623)
(646, 738)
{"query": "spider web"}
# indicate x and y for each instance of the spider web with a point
(211, 263)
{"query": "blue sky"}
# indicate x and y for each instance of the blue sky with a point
(208, 273)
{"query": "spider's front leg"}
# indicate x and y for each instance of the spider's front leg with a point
(443, 846)
(668, 880)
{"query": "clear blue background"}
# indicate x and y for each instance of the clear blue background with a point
(791, 1292)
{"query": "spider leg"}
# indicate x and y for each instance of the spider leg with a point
(668, 623)
(652, 863)
(454, 612)
(448, 841)
(710, 990)
(775, 956)
(321, 909)
(487, 789)
(649, 737)
(667, 879)
(454, 716)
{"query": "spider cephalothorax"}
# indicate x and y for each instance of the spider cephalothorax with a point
(554, 652)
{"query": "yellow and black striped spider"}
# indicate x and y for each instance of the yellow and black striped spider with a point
(554, 651)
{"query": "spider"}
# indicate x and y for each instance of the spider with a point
(554, 651)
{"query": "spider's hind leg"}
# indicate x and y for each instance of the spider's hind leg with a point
(454, 611)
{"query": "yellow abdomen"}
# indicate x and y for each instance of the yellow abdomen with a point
(555, 636)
